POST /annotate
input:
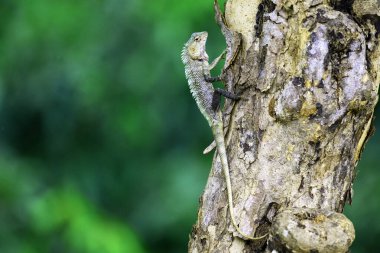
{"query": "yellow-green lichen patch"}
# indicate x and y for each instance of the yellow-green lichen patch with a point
(309, 106)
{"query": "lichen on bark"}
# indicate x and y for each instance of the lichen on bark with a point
(308, 72)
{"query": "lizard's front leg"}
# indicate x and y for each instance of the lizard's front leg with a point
(217, 59)
(212, 79)
(207, 75)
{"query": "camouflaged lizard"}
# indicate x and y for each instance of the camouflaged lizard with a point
(197, 70)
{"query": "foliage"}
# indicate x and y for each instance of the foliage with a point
(100, 140)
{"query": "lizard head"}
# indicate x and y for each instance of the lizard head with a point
(196, 46)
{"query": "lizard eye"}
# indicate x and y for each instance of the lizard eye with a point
(197, 39)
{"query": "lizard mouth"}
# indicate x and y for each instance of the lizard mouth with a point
(204, 39)
(205, 35)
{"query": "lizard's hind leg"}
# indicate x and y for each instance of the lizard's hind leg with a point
(227, 94)
(215, 106)
(215, 101)
(220, 92)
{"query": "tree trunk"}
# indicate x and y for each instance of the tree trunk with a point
(308, 72)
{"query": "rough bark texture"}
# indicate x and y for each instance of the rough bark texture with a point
(309, 75)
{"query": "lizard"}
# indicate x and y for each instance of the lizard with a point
(197, 71)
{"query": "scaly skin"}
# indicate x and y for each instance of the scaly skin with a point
(197, 70)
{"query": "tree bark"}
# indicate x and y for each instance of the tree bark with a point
(308, 74)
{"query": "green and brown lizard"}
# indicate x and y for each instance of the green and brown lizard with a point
(197, 70)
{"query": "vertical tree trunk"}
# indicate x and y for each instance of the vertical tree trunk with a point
(308, 72)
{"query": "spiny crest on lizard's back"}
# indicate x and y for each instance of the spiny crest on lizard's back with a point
(184, 55)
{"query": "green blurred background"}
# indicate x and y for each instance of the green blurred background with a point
(100, 141)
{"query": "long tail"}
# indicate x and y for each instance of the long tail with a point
(220, 145)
